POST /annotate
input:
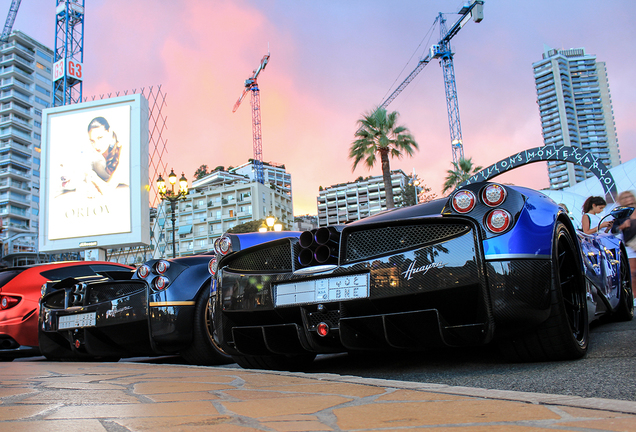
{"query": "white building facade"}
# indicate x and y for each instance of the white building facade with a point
(216, 203)
(576, 110)
(26, 89)
(273, 173)
(347, 202)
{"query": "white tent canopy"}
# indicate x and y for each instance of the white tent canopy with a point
(574, 196)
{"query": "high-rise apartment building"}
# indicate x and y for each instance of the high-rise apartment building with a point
(351, 201)
(576, 110)
(26, 89)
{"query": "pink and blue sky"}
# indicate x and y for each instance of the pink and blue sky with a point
(332, 61)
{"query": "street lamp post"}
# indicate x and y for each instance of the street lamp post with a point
(416, 184)
(271, 224)
(173, 197)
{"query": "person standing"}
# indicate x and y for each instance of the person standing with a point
(628, 229)
(592, 207)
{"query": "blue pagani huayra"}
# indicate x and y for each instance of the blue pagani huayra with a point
(160, 308)
(489, 264)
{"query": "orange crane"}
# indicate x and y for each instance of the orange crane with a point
(252, 86)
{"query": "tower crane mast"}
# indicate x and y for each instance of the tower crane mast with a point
(251, 85)
(442, 51)
(68, 72)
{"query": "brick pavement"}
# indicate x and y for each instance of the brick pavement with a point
(118, 397)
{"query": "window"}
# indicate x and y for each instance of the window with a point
(37, 124)
(37, 112)
(42, 101)
(37, 136)
(42, 67)
(43, 78)
(44, 56)
(35, 212)
(42, 90)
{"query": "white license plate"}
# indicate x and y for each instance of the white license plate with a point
(327, 290)
(77, 320)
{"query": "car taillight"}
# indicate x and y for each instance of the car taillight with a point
(212, 266)
(7, 302)
(225, 245)
(161, 283)
(493, 195)
(162, 266)
(143, 271)
(463, 201)
(498, 220)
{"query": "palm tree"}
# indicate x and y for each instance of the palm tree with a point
(379, 134)
(464, 170)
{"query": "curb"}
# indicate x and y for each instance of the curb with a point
(613, 405)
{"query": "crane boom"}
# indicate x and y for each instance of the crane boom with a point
(442, 51)
(252, 85)
(8, 25)
(407, 81)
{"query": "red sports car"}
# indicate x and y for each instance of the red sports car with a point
(20, 290)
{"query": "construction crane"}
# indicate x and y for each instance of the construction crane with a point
(442, 51)
(8, 24)
(251, 85)
(68, 71)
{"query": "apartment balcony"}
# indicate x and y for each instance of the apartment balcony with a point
(15, 146)
(14, 95)
(13, 47)
(10, 59)
(14, 173)
(9, 82)
(6, 185)
(8, 71)
(18, 121)
(18, 161)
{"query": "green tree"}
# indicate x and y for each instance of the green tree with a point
(463, 170)
(379, 134)
(201, 172)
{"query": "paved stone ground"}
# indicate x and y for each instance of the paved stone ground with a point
(118, 397)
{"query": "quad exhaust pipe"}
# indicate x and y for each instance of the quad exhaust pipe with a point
(319, 246)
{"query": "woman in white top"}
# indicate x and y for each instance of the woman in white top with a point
(592, 207)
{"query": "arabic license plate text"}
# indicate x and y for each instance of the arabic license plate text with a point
(77, 320)
(322, 290)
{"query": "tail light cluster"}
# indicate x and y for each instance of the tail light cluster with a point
(212, 265)
(7, 302)
(223, 245)
(496, 220)
(319, 246)
(157, 272)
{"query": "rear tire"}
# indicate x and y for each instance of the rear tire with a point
(203, 350)
(625, 309)
(565, 334)
(290, 363)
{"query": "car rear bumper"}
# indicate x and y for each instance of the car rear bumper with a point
(114, 326)
(438, 295)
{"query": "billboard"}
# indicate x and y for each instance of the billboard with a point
(95, 175)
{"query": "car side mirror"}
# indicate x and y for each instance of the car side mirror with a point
(621, 212)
